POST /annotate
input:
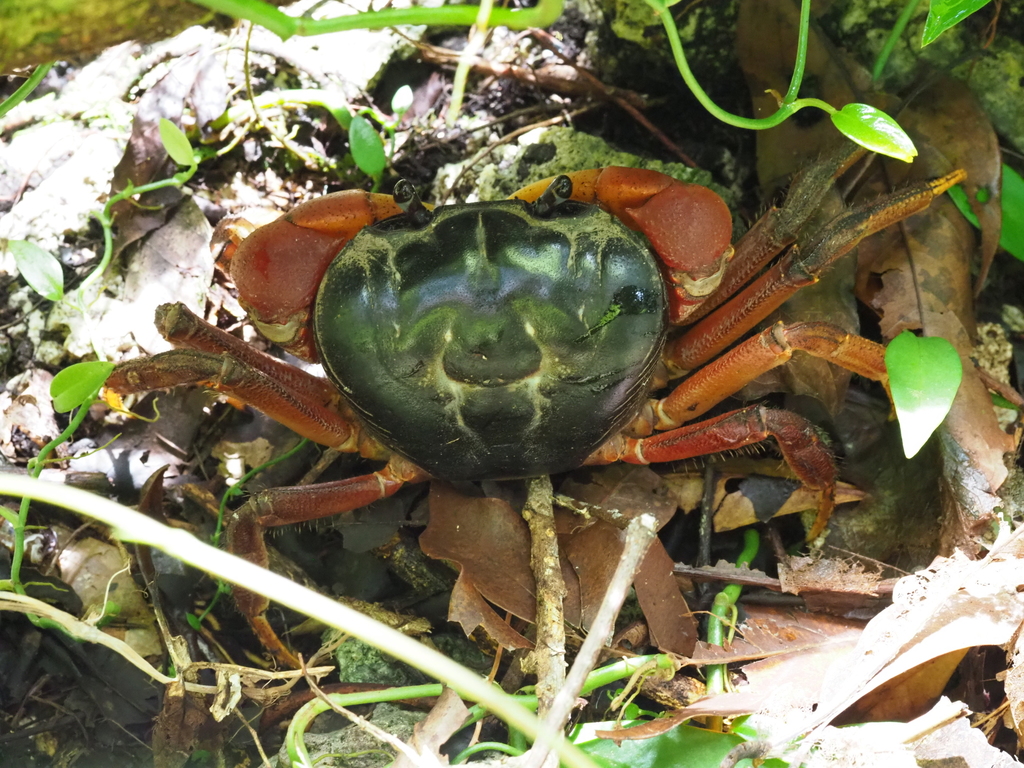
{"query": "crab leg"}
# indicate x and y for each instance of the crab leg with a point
(798, 268)
(772, 347)
(300, 401)
(798, 439)
(285, 506)
(282, 506)
(780, 226)
(183, 328)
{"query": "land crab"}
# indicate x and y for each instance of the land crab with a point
(520, 337)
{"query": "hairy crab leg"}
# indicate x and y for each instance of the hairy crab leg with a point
(224, 374)
(798, 268)
(780, 225)
(282, 506)
(799, 441)
(183, 328)
(752, 357)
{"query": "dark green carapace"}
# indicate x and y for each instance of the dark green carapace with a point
(493, 342)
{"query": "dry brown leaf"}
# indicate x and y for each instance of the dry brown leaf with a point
(742, 500)
(488, 541)
(593, 552)
(429, 734)
(947, 117)
(956, 603)
(802, 575)
(906, 696)
(672, 626)
(469, 609)
(628, 491)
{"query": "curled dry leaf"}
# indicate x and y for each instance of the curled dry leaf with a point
(490, 544)
(938, 611)
(748, 499)
(629, 491)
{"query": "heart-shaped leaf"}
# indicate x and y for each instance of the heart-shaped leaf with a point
(78, 384)
(943, 14)
(924, 375)
(875, 130)
(367, 147)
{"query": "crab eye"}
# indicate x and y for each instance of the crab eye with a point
(406, 198)
(558, 191)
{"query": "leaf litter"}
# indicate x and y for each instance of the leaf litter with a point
(807, 660)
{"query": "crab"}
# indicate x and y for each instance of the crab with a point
(521, 337)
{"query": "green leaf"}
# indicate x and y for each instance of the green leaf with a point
(875, 130)
(367, 147)
(1012, 238)
(924, 376)
(702, 748)
(959, 197)
(176, 143)
(78, 384)
(943, 14)
(401, 101)
(40, 269)
(342, 115)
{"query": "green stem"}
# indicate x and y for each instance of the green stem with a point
(238, 487)
(790, 104)
(35, 468)
(801, 53)
(894, 36)
(25, 88)
(485, 746)
(475, 43)
(104, 218)
(284, 26)
(724, 604)
(297, 752)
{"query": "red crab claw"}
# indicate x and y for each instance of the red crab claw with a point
(688, 225)
(278, 268)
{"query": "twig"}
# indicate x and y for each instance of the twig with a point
(639, 535)
(615, 95)
(255, 739)
(374, 730)
(549, 655)
(562, 79)
(505, 140)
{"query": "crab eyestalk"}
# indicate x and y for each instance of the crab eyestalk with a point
(557, 192)
(409, 201)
